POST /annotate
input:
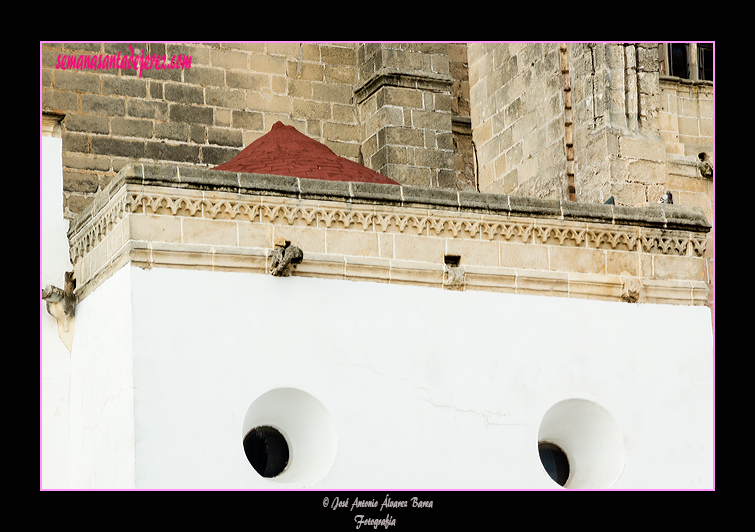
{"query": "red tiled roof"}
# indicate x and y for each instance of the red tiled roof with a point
(285, 151)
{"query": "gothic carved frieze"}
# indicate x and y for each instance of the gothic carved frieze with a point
(381, 219)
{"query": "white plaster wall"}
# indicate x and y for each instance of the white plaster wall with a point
(102, 394)
(426, 388)
(54, 356)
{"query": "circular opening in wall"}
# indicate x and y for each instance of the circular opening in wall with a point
(586, 440)
(554, 461)
(289, 437)
(267, 451)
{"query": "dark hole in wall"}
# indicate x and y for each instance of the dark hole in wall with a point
(452, 260)
(267, 451)
(554, 461)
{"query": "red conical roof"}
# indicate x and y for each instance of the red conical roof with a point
(285, 151)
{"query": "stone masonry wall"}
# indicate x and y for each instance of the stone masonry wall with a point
(408, 110)
(198, 116)
(461, 123)
(618, 149)
(403, 96)
(686, 125)
(517, 115)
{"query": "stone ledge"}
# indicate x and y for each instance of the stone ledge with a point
(429, 81)
(174, 217)
(703, 83)
(604, 287)
(660, 216)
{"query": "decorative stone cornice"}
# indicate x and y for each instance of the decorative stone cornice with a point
(428, 81)
(570, 245)
(659, 216)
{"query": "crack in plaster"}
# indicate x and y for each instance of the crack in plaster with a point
(484, 414)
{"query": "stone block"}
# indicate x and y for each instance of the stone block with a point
(526, 256)
(689, 126)
(246, 80)
(642, 148)
(483, 202)
(382, 118)
(644, 171)
(211, 232)
(324, 190)
(131, 149)
(673, 267)
(247, 120)
(527, 206)
(232, 259)
(667, 292)
(588, 212)
(477, 252)
(172, 131)
(629, 193)
(408, 175)
(433, 158)
(647, 216)
(308, 239)
(416, 273)
(216, 155)
(207, 179)
(339, 74)
(161, 151)
(76, 80)
(379, 193)
(431, 120)
(579, 260)
(385, 245)
(311, 109)
(268, 184)
(124, 86)
(153, 174)
(231, 99)
(399, 97)
(86, 162)
(319, 265)
(338, 55)
(147, 109)
(333, 93)
(60, 100)
(151, 228)
(357, 243)
(103, 105)
(126, 127)
(419, 248)
(181, 256)
(621, 262)
(367, 269)
(414, 195)
(490, 279)
(190, 114)
(687, 217)
(268, 103)
(229, 59)
(343, 132)
(542, 283)
(592, 286)
(80, 182)
(198, 75)
(224, 137)
(221, 118)
(87, 123)
(401, 136)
